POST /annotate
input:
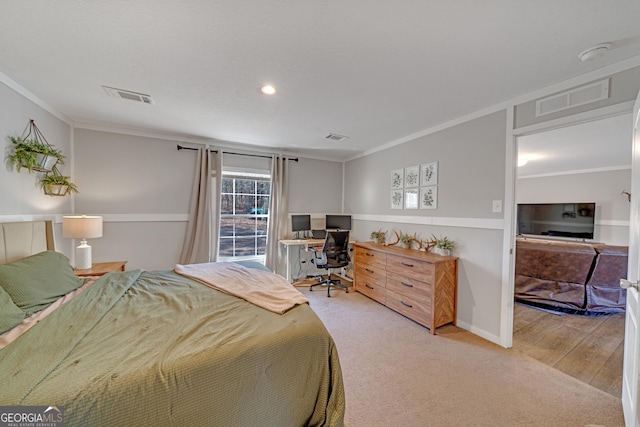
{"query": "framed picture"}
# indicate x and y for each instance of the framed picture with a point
(412, 177)
(411, 199)
(396, 199)
(429, 197)
(429, 174)
(397, 178)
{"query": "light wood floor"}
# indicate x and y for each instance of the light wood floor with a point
(585, 347)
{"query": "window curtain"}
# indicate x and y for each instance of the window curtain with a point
(202, 237)
(278, 209)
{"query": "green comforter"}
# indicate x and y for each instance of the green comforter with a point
(154, 348)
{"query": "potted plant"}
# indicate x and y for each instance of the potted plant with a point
(443, 245)
(378, 236)
(56, 184)
(34, 155)
(405, 240)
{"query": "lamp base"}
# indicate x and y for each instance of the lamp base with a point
(83, 256)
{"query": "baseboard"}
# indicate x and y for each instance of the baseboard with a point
(479, 332)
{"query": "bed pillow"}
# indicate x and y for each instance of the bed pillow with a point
(10, 314)
(38, 280)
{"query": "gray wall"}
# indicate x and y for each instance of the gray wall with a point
(471, 174)
(20, 195)
(315, 187)
(603, 187)
(142, 187)
(470, 160)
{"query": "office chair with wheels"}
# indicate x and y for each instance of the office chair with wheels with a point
(333, 254)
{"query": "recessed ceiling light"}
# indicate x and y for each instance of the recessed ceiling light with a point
(594, 52)
(268, 89)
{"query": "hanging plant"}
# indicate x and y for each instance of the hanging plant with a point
(56, 184)
(33, 152)
(33, 155)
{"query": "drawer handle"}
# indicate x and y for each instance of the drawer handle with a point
(368, 286)
(409, 285)
(407, 265)
(405, 304)
(370, 271)
(368, 254)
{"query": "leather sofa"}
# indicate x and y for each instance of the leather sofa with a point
(579, 278)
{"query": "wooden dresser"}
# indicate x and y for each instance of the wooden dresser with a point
(419, 285)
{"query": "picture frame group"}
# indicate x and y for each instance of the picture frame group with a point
(415, 187)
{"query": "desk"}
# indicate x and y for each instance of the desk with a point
(294, 243)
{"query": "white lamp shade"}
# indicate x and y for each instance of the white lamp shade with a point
(81, 227)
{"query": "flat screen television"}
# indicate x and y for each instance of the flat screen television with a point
(338, 222)
(300, 223)
(574, 220)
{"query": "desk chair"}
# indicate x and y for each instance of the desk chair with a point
(333, 254)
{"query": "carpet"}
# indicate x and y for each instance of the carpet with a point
(397, 374)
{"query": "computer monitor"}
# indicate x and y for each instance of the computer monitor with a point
(300, 223)
(338, 222)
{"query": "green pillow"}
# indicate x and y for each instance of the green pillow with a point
(36, 281)
(10, 314)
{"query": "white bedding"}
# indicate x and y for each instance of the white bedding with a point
(262, 288)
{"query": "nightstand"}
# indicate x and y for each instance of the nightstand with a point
(101, 268)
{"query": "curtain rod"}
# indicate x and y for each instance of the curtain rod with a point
(180, 147)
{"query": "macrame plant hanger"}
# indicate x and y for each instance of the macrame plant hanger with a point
(46, 163)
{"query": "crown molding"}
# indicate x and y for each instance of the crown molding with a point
(12, 84)
(549, 90)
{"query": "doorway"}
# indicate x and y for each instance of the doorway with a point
(586, 162)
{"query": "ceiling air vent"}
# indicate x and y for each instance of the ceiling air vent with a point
(572, 98)
(336, 137)
(127, 94)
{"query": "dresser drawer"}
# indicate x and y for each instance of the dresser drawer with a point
(371, 272)
(365, 256)
(372, 285)
(409, 286)
(420, 270)
(415, 308)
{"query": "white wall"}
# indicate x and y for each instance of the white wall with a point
(602, 187)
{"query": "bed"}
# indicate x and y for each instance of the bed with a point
(158, 348)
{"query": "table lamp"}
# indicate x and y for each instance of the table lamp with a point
(82, 227)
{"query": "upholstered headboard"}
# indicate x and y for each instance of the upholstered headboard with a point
(21, 239)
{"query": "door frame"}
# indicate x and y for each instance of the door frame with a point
(630, 363)
(511, 168)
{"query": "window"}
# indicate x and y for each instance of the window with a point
(244, 213)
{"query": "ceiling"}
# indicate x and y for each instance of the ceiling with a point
(375, 71)
(603, 144)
